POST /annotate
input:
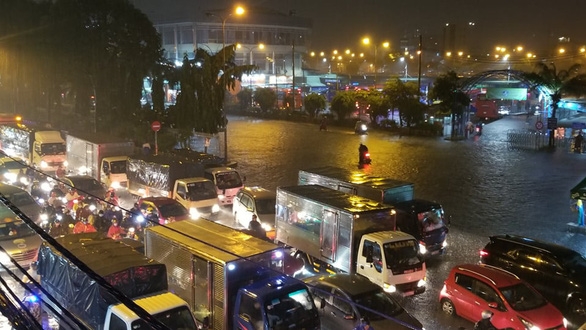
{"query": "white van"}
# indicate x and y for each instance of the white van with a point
(227, 181)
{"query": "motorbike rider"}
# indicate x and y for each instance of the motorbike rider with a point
(83, 226)
(484, 323)
(115, 231)
(362, 150)
(71, 196)
(256, 228)
(57, 228)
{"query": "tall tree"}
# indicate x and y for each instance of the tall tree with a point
(401, 96)
(447, 89)
(266, 98)
(313, 103)
(558, 84)
(343, 104)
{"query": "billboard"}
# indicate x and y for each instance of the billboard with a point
(519, 94)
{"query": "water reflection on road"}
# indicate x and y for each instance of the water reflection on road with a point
(486, 187)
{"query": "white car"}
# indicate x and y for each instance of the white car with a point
(504, 110)
(258, 201)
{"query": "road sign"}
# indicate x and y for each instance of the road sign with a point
(155, 126)
(539, 125)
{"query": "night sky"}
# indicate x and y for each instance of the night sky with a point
(534, 24)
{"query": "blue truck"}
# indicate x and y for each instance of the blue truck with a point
(231, 280)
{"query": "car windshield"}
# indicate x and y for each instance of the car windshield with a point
(12, 227)
(378, 301)
(574, 260)
(172, 210)
(402, 253)
(20, 198)
(197, 191)
(228, 180)
(266, 206)
(431, 220)
(522, 298)
(290, 309)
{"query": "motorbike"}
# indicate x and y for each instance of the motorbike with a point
(361, 128)
(479, 128)
(365, 158)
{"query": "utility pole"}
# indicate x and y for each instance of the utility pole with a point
(419, 59)
(293, 70)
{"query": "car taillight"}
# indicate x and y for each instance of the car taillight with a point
(483, 253)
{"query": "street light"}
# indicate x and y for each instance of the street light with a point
(238, 11)
(385, 44)
(250, 49)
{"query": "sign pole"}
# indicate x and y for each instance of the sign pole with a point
(156, 144)
(156, 126)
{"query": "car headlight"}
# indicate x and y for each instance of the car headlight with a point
(24, 181)
(422, 248)
(65, 163)
(389, 288)
(221, 197)
(44, 164)
(215, 208)
(565, 322)
(115, 185)
(528, 325)
(10, 177)
(194, 213)
(420, 283)
(4, 258)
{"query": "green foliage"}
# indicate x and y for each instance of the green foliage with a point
(313, 103)
(266, 98)
(403, 96)
(378, 104)
(447, 90)
(343, 103)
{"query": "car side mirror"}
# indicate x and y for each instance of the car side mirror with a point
(493, 305)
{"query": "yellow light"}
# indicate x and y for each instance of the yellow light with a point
(562, 50)
(18, 118)
(347, 51)
(529, 55)
(321, 54)
(261, 46)
(335, 52)
(239, 10)
(361, 54)
(460, 53)
(340, 57)
(312, 54)
(366, 41)
(448, 54)
(582, 50)
(519, 48)
(498, 49)
(238, 46)
(386, 44)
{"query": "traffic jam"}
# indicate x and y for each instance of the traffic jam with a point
(164, 232)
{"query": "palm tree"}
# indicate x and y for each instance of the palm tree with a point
(558, 83)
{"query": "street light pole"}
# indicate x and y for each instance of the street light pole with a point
(239, 11)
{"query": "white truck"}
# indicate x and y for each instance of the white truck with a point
(37, 145)
(227, 181)
(173, 177)
(102, 158)
(338, 232)
(87, 293)
(230, 280)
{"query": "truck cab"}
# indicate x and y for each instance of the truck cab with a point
(390, 257)
(198, 195)
(49, 150)
(113, 172)
(227, 181)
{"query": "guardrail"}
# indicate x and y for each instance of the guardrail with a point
(530, 140)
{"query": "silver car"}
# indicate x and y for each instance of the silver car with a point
(258, 201)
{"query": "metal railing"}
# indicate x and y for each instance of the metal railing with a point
(530, 140)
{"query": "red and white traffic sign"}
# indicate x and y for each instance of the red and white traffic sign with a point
(539, 125)
(155, 126)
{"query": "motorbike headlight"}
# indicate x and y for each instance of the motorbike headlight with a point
(221, 197)
(44, 164)
(45, 186)
(215, 208)
(363, 127)
(140, 219)
(266, 226)
(44, 217)
(92, 207)
(24, 181)
(422, 248)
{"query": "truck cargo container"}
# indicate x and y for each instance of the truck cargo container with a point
(37, 145)
(423, 219)
(338, 232)
(103, 158)
(137, 277)
(230, 280)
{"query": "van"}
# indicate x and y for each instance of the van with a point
(227, 181)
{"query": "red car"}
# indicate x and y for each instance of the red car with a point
(471, 289)
(167, 209)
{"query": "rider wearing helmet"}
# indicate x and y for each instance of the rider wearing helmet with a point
(484, 323)
(364, 324)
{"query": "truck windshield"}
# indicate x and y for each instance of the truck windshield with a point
(378, 301)
(293, 310)
(178, 318)
(402, 253)
(431, 220)
(118, 167)
(228, 180)
(197, 191)
(53, 149)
